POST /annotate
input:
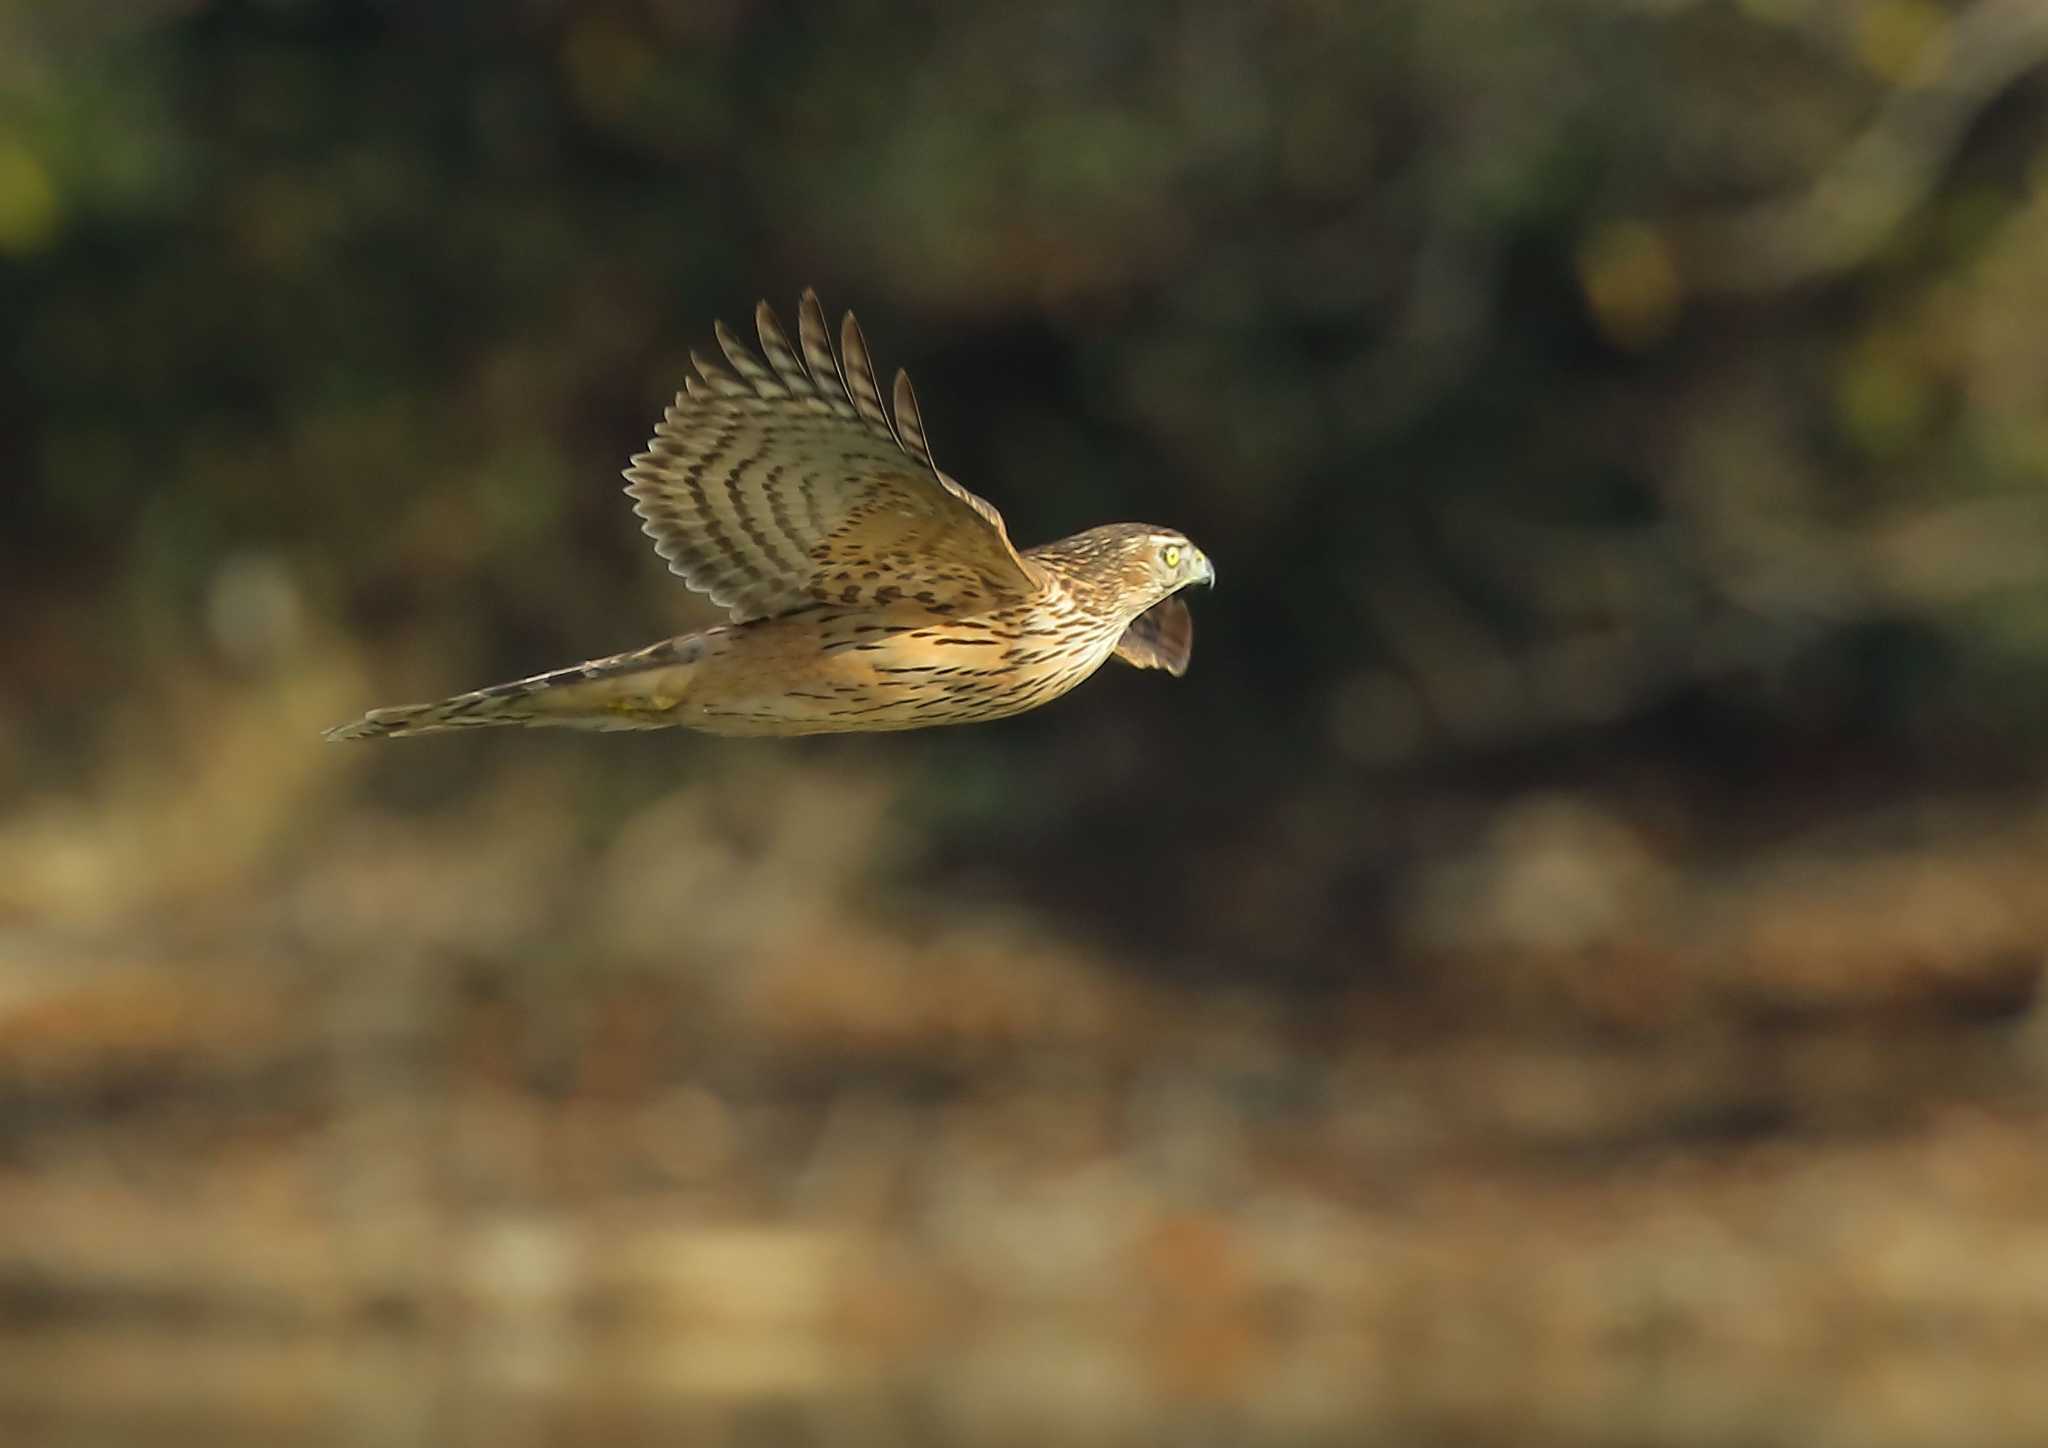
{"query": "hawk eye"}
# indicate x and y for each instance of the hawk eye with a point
(1171, 555)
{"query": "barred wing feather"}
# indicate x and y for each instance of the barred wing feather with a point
(773, 484)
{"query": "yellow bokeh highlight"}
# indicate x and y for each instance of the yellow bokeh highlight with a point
(1632, 283)
(608, 64)
(1895, 36)
(1883, 395)
(29, 206)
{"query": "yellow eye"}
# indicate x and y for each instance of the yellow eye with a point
(1171, 553)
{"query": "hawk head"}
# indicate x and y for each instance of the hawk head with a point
(1165, 562)
(1122, 569)
(1126, 576)
(1157, 564)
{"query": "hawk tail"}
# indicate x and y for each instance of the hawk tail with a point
(636, 690)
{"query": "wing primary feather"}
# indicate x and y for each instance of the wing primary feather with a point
(816, 336)
(765, 475)
(717, 378)
(781, 356)
(909, 423)
(860, 379)
(748, 365)
(1162, 637)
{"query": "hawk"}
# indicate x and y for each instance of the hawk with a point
(868, 590)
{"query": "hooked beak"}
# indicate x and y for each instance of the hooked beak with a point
(1208, 571)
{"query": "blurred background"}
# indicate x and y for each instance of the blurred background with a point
(1563, 968)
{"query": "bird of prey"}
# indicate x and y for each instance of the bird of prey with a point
(868, 590)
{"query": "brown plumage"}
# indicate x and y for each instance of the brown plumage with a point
(868, 590)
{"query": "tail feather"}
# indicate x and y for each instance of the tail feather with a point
(636, 690)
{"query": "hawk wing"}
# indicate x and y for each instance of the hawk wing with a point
(788, 484)
(1162, 637)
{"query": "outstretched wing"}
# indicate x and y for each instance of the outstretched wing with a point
(772, 486)
(1162, 637)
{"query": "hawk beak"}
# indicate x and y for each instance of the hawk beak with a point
(1208, 573)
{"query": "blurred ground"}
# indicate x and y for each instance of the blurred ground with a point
(1563, 968)
(452, 1122)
